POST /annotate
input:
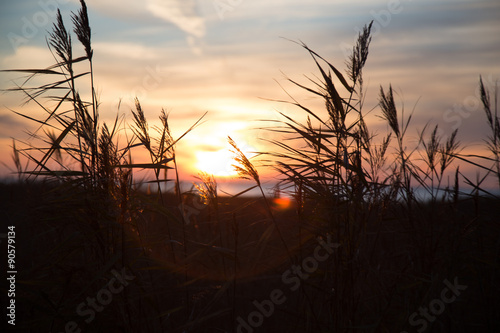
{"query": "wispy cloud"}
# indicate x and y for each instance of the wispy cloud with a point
(27, 56)
(183, 13)
(12, 125)
(126, 50)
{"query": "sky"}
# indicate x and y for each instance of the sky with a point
(232, 59)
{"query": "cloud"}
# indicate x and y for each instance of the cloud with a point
(127, 9)
(182, 13)
(28, 57)
(11, 126)
(126, 50)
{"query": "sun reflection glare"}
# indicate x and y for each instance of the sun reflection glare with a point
(282, 203)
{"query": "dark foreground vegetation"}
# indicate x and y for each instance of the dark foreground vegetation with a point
(357, 250)
(372, 282)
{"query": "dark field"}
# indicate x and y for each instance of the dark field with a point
(385, 265)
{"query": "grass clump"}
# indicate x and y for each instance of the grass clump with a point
(396, 245)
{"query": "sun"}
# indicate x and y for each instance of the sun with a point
(218, 163)
(211, 151)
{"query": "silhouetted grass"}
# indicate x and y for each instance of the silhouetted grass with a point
(200, 260)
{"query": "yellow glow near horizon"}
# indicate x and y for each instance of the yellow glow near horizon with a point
(220, 162)
(212, 151)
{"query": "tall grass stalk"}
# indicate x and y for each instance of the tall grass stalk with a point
(246, 170)
(491, 111)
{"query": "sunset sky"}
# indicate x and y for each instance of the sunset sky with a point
(230, 58)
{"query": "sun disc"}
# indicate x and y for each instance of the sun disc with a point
(218, 163)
